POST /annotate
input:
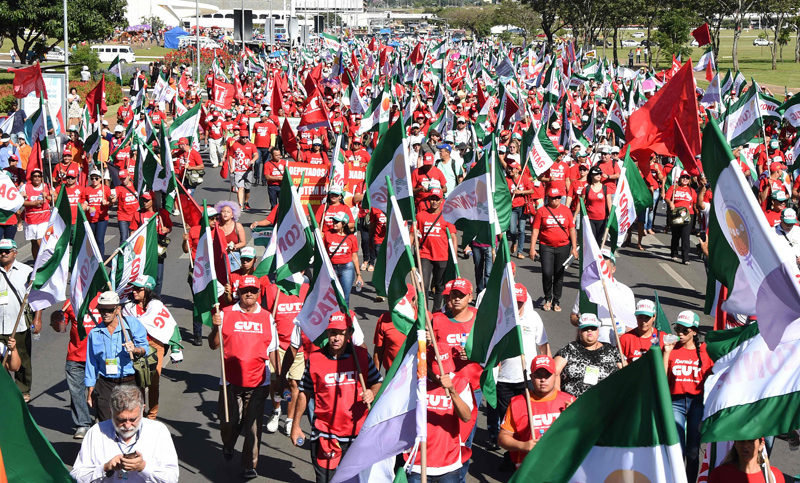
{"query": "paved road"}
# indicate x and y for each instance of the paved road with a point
(189, 390)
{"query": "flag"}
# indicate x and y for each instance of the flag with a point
(615, 120)
(702, 34)
(10, 198)
(543, 153)
(184, 126)
(27, 80)
(684, 152)
(632, 197)
(336, 175)
(289, 140)
(25, 453)
(377, 116)
(743, 120)
(451, 271)
(394, 263)
(766, 275)
(705, 61)
(470, 207)
(662, 322)
(222, 263)
(314, 113)
(7, 125)
(790, 110)
(496, 335)
(753, 390)
(89, 275)
(331, 42)
(138, 255)
(223, 94)
(205, 288)
(115, 68)
(622, 429)
(389, 159)
(96, 100)
(325, 296)
(51, 269)
(291, 245)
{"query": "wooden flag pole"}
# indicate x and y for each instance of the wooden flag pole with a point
(613, 321)
(222, 365)
(16, 324)
(526, 379)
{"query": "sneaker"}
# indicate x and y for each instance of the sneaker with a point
(272, 424)
(250, 474)
(247, 206)
(227, 454)
(492, 445)
(287, 429)
(80, 433)
(198, 340)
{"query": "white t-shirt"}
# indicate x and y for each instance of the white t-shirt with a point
(790, 239)
(626, 323)
(533, 336)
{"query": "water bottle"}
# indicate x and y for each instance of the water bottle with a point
(654, 339)
(35, 336)
(359, 285)
(287, 395)
(541, 433)
(300, 442)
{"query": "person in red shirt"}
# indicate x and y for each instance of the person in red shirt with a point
(242, 154)
(98, 198)
(377, 233)
(770, 184)
(434, 250)
(654, 181)
(61, 169)
(426, 178)
(744, 464)
(127, 203)
(779, 200)
(340, 406)
(388, 340)
(687, 364)
(163, 229)
(316, 155)
(634, 343)
(765, 154)
(335, 206)
(520, 187)
(188, 158)
(216, 141)
(577, 187)
(681, 196)
(610, 169)
(357, 154)
(450, 405)
(124, 113)
(157, 116)
(265, 132)
(37, 210)
(598, 203)
(274, 166)
(250, 339)
(342, 248)
(558, 174)
(547, 403)
(554, 229)
(73, 192)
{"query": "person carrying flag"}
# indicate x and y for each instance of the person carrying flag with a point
(242, 154)
(433, 245)
(634, 343)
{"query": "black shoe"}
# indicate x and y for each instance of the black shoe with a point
(492, 445)
(250, 474)
(198, 340)
(227, 454)
(507, 464)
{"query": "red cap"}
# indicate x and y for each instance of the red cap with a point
(520, 292)
(446, 358)
(561, 149)
(183, 141)
(250, 281)
(462, 285)
(555, 192)
(123, 173)
(338, 321)
(514, 164)
(243, 133)
(774, 167)
(72, 173)
(329, 453)
(543, 362)
(67, 152)
(412, 292)
(435, 193)
(505, 132)
(427, 159)
(147, 195)
(14, 157)
(447, 288)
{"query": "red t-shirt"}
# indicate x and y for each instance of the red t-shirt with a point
(247, 338)
(94, 197)
(421, 179)
(34, 215)
(163, 222)
(274, 167)
(327, 221)
(358, 158)
(288, 308)
(576, 189)
(522, 183)
(730, 473)
(340, 247)
(596, 203)
(182, 161)
(241, 155)
(634, 347)
(545, 411)
(683, 374)
(388, 337)
(76, 350)
(684, 197)
(454, 333)
(432, 234)
(263, 134)
(773, 217)
(652, 180)
(75, 195)
(547, 221)
(558, 173)
(378, 221)
(127, 202)
(609, 168)
(215, 129)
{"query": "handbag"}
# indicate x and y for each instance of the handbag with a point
(679, 216)
(194, 177)
(29, 313)
(144, 366)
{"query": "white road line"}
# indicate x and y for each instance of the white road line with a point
(655, 240)
(672, 273)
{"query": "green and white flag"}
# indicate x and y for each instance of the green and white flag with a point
(376, 119)
(331, 42)
(743, 120)
(89, 275)
(622, 429)
(206, 290)
(336, 178)
(138, 255)
(116, 69)
(10, 198)
(394, 264)
(706, 59)
(616, 118)
(496, 335)
(389, 159)
(632, 197)
(470, 207)
(439, 98)
(790, 110)
(35, 126)
(753, 391)
(543, 153)
(291, 246)
(51, 269)
(185, 126)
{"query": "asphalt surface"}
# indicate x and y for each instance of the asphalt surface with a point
(189, 390)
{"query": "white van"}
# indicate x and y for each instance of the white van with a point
(191, 40)
(108, 53)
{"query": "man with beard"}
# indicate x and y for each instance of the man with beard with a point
(128, 446)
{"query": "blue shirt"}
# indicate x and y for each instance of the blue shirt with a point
(102, 345)
(5, 153)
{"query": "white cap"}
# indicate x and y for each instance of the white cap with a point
(119, 128)
(109, 297)
(555, 125)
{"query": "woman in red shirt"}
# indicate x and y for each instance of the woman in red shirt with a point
(598, 203)
(681, 196)
(578, 187)
(343, 250)
(520, 187)
(743, 464)
(554, 229)
(98, 196)
(687, 364)
(654, 182)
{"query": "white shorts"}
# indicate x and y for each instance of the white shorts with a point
(243, 179)
(35, 232)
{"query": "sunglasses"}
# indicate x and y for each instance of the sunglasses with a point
(589, 329)
(94, 177)
(5, 252)
(70, 177)
(249, 290)
(681, 329)
(36, 176)
(105, 310)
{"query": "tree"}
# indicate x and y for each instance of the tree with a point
(783, 39)
(620, 13)
(738, 9)
(154, 22)
(479, 21)
(519, 15)
(39, 24)
(711, 12)
(585, 17)
(549, 18)
(795, 21)
(776, 12)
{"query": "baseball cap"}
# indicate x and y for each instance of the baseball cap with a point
(72, 173)
(183, 141)
(338, 321)
(109, 298)
(415, 126)
(95, 172)
(447, 287)
(505, 132)
(67, 152)
(247, 252)
(543, 362)
(144, 281)
(555, 125)
(123, 173)
(147, 195)
(341, 217)
(774, 166)
(774, 144)
(555, 192)
(520, 292)
(604, 149)
(5, 137)
(645, 307)
(462, 285)
(561, 149)
(243, 132)
(329, 453)
(249, 281)
(446, 147)
(335, 190)
(502, 148)
(317, 141)
(789, 216)
(119, 128)
(608, 254)
(211, 211)
(594, 171)
(13, 157)
(588, 320)
(7, 244)
(687, 318)
(435, 193)
(445, 357)
(514, 164)
(779, 196)
(427, 159)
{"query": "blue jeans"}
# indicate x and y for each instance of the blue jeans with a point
(274, 192)
(452, 477)
(263, 157)
(124, 230)
(9, 231)
(650, 213)
(99, 229)
(77, 394)
(688, 411)
(517, 228)
(482, 257)
(346, 273)
(462, 473)
(159, 278)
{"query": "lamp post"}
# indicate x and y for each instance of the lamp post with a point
(197, 39)
(66, 48)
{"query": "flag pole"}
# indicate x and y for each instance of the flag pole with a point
(222, 364)
(613, 320)
(19, 316)
(526, 380)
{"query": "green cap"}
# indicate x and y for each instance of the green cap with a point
(588, 320)
(645, 307)
(144, 281)
(7, 244)
(687, 318)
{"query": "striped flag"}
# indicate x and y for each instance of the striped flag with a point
(632, 197)
(51, 269)
(389, 159)
(115, 68)
(138, 255)
(89, 275)
(205, 288)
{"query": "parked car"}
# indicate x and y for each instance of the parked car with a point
(599, 43)
(650, 43)
(630, 43)
(638, 35)
(762, 42)
(56, 54)
(108, 53)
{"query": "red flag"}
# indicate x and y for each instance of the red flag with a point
(289, 139)
(651, 128)
(192, 213)
(223, 94)
(222, 265)
(416, 56)
(183, 85)
(510, 110)
(276, 101)
(35, 159)
(709, 71)
(684, 152)
(27, 80)
(313, 78)
(96, 100)
(481, 97)
(676, 66)
(354, 61)
(314, 113)
(373, 46)
(702, 35)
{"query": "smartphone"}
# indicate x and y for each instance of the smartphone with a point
(129, 456)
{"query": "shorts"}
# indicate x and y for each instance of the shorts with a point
(298, 366)
(243, 179)
(35, 232)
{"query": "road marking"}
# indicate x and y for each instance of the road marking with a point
(672, 273)
(656, 241)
